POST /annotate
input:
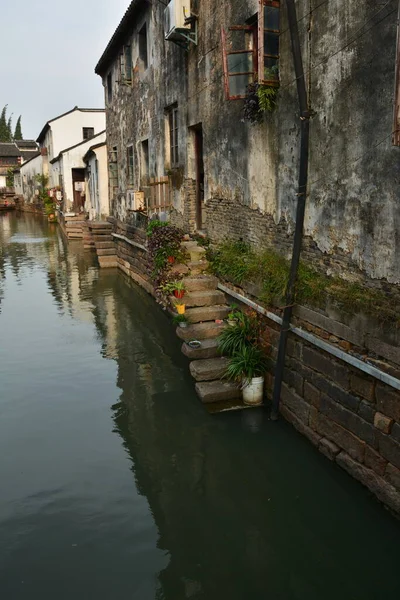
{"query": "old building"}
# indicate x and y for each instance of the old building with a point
(176, 131)
(28, 149)
(96, 181)
(10, 158)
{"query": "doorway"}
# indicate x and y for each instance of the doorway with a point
(78, 184)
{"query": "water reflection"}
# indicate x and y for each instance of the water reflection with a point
(192, 506)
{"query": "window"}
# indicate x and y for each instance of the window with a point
(251, 51)
(129, 157)
(109, 88)
(145, 159)
(88, 132)
(172, 116)
(126, 65)
(113, 172)
(396, 123)
(143, 48)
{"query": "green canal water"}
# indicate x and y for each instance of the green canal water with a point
(115, 482)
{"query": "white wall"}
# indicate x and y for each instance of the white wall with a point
(97, 202)
(73, 159)
(28, 172)
(67, 131)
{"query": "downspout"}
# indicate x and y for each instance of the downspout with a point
(301, 204)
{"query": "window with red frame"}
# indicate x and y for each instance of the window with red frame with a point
(251, 51)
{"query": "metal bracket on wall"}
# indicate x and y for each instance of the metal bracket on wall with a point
(190, 37)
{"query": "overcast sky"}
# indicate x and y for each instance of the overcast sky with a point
(48, 51)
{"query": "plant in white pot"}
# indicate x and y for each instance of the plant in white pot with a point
(247, 366)
(180, 320)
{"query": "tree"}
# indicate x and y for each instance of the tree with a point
(9, 129)
(4, 134)
(18, 130)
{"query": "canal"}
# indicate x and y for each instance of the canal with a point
(117, 484)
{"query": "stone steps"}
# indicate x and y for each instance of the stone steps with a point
(208, 349)
(204, 298)
(217, 391)
(209, 369)
(197, 267)
(100, 245)
(200, 331)
(105, 252)
(102, 238)
(200, 283)
(107, 261)
(207, 313)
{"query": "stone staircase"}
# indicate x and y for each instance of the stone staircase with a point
(100, 233)
(205, 305)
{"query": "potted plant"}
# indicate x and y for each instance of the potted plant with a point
(180, 307)
(171, 259)
(247, 367)
(233, 316)
(180, 320)
(179, 289)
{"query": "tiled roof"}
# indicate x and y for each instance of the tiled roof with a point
(26, 144)
(47, 126)
(9, 149)
(119, 36)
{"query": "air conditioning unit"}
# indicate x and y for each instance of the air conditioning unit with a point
(175, 16)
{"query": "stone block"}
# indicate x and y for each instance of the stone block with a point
(200, 331)
(207, 313)
(209, 369)
(323, 363)
(337, 393)
(312, 394)
(389, 449)
(335, 327)
(392, 474)
(374, 461)
(388, 401)
(366, 411)
(343, 438)
(328, 448)
(202, 282)
(348, 420)
(294, 348)
(313, 418)
(217, 391)
(204, 298)
(384, 491)
(380, 348)
(296, 404)
(396, 432)
(313, 436)
(382, 422)
(293, 380)
(208, 349)
(362, 386)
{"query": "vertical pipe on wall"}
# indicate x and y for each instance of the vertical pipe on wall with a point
(301, 204)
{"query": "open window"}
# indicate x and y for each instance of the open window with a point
(251, 51)
(396, 121)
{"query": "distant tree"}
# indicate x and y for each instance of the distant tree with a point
(18, 130)
(4, 134)
(9, 129)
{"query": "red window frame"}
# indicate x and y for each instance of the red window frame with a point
(263, 53)
(253, 51)
(396, 116)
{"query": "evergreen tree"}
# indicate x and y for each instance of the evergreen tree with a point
(9, 130)
(18, 130)
(3, 125)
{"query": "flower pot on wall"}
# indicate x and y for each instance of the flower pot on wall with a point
(253, 391)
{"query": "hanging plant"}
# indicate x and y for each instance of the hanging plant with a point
(259, 99)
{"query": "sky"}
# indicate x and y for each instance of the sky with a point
(48, 52)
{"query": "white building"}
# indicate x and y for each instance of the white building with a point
(69, 172)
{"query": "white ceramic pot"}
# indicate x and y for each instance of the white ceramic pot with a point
(232, 322)
(253, 391)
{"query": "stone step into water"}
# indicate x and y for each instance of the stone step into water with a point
(207, 313)
(200, 283)
(200, 331)
(208, 349)
(217, 391)
(204, 298)
(209, 369)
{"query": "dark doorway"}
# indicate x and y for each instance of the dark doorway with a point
(199, 162)
(78, 184)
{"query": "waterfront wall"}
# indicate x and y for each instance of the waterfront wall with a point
(352, 417)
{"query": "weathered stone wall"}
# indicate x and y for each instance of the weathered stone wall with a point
(352, 218)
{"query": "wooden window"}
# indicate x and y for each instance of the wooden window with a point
(129, 156)
(109, 88)
(268, 42)
(113, 172)
(240, 60)
(251, 51)
(145, 160)
(87, 132)
(396, 121)
(143, 57)
(173, 136)
(128, 63)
